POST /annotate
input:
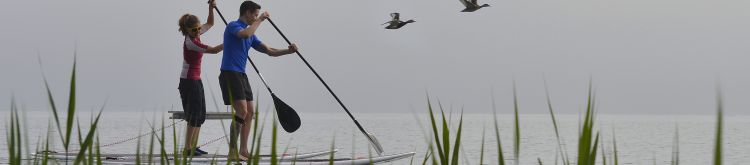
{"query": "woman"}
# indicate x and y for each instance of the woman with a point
(191, 86)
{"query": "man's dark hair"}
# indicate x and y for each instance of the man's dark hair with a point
(248, 5)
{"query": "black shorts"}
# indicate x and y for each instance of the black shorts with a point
(193, 101)
(237, 83)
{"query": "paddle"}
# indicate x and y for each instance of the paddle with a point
(287, 116)
(369, 136)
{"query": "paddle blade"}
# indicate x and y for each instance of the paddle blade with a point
(376, 144)
(287, 116)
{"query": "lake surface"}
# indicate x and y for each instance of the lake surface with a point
(640, 139)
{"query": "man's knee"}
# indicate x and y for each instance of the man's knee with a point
(239, 119)
(250, 109)
(240, 107)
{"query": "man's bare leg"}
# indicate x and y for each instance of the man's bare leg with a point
(246, 129)
(234, 131)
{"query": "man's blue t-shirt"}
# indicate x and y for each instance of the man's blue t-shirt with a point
(236, 49)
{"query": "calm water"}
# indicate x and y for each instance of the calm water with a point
(640, 139)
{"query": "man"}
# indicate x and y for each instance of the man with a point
(239, 37)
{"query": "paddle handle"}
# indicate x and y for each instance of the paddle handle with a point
(220, 15)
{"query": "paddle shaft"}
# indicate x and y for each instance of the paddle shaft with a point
(321, 80)
(288, 117)
(248, 56)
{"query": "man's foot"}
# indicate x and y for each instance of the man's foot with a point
(198, 149)
(246, 154)
(236, 157)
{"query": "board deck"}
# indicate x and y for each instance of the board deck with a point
(339, 161)
(202, 157)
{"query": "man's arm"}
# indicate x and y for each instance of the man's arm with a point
(277, 52)
(249, 31)
(215, 50)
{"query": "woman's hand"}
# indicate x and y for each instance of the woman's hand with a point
(212, 3)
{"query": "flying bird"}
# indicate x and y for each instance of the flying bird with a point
(472, 5)
(396, 23)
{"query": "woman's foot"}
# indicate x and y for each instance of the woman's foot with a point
(198, 149)
(191, 153)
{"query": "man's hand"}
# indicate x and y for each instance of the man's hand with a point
(263, 16)
(292, 48)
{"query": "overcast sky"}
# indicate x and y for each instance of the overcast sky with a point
(645, 56)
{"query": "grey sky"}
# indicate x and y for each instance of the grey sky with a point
(645, 56)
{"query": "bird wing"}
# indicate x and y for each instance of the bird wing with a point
(465, 2)
(395, 16)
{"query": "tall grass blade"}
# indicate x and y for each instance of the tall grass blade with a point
(91, 147)
(457, 144)
(481, 149)
(71, 103)
(719, 128)
(427, 155)
(51, 101)
(162, 143)
(676, 146)
(614, 146)
(540, 161)
(213, 159)
(151, 145)
(25, 126)
(563, 154)
(435, 132)
(587, 150)
(138, 149)
(98, 151)
(333, 146)
(500, 157)
(592, 158)
(604, 156)
(255, 124)
(274, 159)
(517, 130)
(80, 137)
(176, 157)
(18, 141)
(256, 156)
(296, 152)
(35, 158)
(13, 141)
(80, 140)
(9, 136)
(89, 138)
(45, 157)
(446, 137)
